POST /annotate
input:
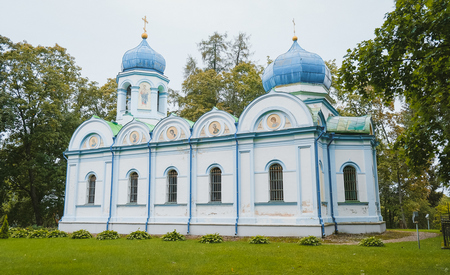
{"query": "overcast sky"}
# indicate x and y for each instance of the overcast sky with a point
(98, 33)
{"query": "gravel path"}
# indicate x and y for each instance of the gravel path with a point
(413, 237)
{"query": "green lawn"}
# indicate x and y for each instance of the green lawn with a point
(67, 256)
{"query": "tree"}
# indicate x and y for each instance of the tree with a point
(202, 93)
(239, 49)
(38, 87)
(4, 231)
(213, 51)
(101, 102)
(410, 57)
(242, 84)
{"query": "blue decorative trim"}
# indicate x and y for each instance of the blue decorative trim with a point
(330, 185)
(190, 183)
(144, 73)
(237, 180)
(130, 205)
(149, 179)
(171, 204)
(351, 163)
(270, 163)
(215, 203)
(132, 170)
(213, 166)
(89, 205)
(168, 169)
(112, 182)
(353, 203)
(316, 162)
(276, 203)
(324, 102)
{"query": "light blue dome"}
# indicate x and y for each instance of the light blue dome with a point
(296, 65)
(143, 57)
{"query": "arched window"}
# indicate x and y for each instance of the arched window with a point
(91, 189)
(351, 193)
(128, 99)
(276, 182)
(172, 192)
(216, 184)
(133, 187)
(157, 102)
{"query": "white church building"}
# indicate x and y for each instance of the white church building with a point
(288, 166)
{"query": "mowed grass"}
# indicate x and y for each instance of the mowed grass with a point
(68, 256)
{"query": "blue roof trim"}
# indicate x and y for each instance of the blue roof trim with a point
(295, 66)
(324, 102)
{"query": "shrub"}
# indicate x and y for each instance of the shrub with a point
(4, 231)
(310, 240)
(38, 234)
(211, 238)
(173, 236)
(371, 241)
(139, 235)
(108, 235)
(81, 234)
(20, 233)
(57, 234)
(259, 240)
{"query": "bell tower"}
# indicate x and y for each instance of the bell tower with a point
(142, 85)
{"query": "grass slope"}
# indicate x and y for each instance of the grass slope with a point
(54, 256)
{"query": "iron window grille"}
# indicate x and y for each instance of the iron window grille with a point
(91, 191)
(172, 194)
(216, 184)
(276, 182)
(351, 193)
(133, 187)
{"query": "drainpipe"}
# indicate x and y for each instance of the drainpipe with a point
(190, 184)
(149, 179)
(237, 180)
(319, 208)
(64, 155)
(112, 181)
(329, 181)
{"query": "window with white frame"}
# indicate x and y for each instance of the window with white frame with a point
(276, 182)
(91, 189)
(216, 184)
(133, 187)
(351, 193)
(172, 186)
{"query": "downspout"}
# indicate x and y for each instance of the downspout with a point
(331, 188)
(149, 179)
(237, 180)
(319, 208)
(64, 155)
(112, 181)
(190, 184)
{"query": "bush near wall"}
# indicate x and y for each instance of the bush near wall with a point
(211, 238)
(173, 236)
(138, 235)
(81, 234)
(310, 240)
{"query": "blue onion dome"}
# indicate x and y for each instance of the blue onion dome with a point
(143, 57)
(296, 66)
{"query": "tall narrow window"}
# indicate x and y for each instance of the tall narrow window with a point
(172, 194)
(216, 184)
(276, 182)
(351, 193)
(128, 99)
(157, 103)
(91, 189)
(133, 187)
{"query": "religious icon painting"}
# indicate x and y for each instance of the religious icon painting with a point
(172, 133)
(134, 137)
(93, 142)
(273, 121)
(144, 96)
(214, 128)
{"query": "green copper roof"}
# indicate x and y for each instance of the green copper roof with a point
(191, 123)
(150, 126)
(115, 127)
(349, 125)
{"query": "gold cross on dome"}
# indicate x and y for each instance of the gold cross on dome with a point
(145, 22)
(294, 25)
